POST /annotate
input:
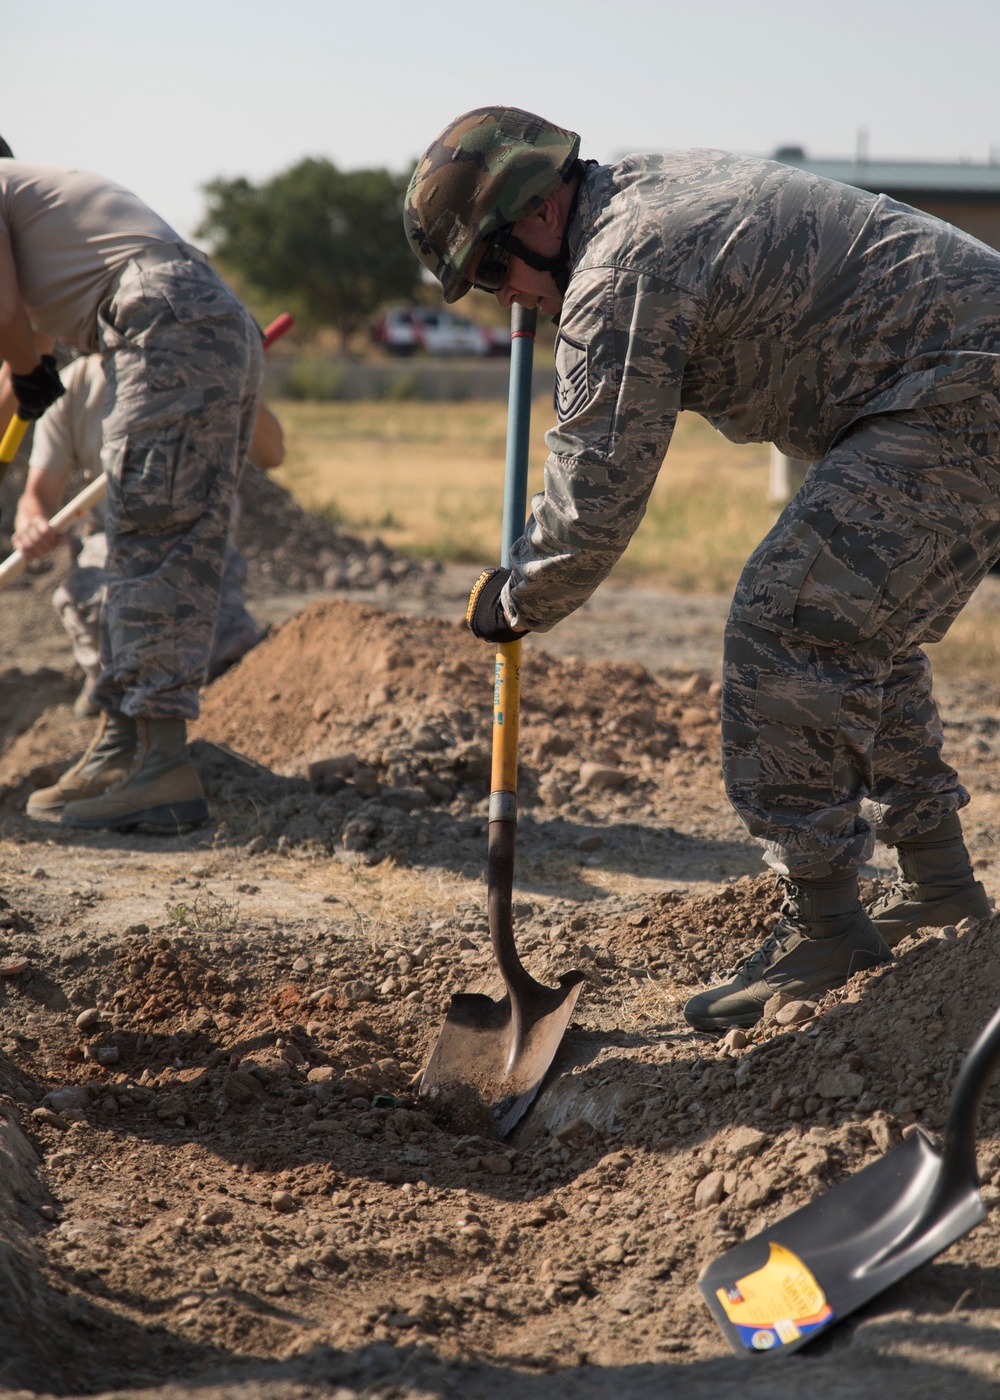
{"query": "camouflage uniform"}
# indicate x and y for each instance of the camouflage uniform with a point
(852, 331)
(68, 438)
(78, 602)
(183, 360)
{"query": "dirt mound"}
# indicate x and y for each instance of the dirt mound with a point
(388, 717)
(211, 1042)
(250, 1079)
(289, 548)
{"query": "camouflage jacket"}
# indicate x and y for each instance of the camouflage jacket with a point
(779, 305)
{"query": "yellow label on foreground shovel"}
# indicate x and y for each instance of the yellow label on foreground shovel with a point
(776, 1304)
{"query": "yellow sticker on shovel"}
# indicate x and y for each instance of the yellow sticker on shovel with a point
(776, 1304)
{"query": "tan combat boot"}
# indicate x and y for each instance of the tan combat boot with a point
(106, 761)
(161, 789)
(936, 885)
(823, 937)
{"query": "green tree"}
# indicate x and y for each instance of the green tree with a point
(329, 242)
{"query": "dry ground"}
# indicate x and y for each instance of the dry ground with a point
(215, 1173)
(207, 1040)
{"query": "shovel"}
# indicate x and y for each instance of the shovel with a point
(789, 1284)
(501, 1050)
(11, 441)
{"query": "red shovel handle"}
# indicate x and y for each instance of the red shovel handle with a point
(277, 329)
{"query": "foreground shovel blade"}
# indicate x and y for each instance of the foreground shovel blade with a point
(791, 1282)
(785, 1286)
(499, 1050)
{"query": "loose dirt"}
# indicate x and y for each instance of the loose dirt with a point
(217, 1171)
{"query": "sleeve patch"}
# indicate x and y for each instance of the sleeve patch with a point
(572, 380)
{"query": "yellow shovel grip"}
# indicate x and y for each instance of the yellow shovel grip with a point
(506, 715)
(16, 429)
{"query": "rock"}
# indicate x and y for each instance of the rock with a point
(242, 1088)
(283, 1202)
(206, 1274)
(633, 1300)
(219, 1216)
(774, 1004)
(693, 717)
(611, 1254)
(72, 1096)
(88, 1018)
(320, 1075)
(169, 1106)
(839, 1084)
(340, 765)
(710, 1190)
(359, 833)
(593, 842)
(696, 684)
(49, 1119)
(881, 1133)
(496, 1165)
(793, 1013)
(601, 778)
(753, 1192)
(358, 993)
(745, 1142)
(735, 1039)
(366, 781)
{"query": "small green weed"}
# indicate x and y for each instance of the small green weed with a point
(206, 914)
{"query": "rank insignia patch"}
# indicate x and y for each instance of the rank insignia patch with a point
(572, 387)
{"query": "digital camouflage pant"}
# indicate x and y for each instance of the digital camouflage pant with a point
(830, 734)
(183, 363)
(79, 599)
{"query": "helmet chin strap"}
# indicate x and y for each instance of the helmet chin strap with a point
(559, 265)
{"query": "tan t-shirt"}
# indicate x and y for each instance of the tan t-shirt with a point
(71, 233)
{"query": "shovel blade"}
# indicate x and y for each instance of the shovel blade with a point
(502, 1050)
(784, 1287)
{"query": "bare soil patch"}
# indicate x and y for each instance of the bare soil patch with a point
(224, 1176)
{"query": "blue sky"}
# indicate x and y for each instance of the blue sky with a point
(164, 98)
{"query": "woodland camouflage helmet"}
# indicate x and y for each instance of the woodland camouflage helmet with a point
(489, 168)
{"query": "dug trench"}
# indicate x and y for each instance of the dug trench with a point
(216, 1171)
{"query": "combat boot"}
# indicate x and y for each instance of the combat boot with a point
(106, 761)
(161, 789)
(936, 885)
(822, 938)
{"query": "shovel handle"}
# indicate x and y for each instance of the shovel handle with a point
(978, 1068)
(507, 666)
(277, 328)
(523, 324)
(11, 441)
(15, 564)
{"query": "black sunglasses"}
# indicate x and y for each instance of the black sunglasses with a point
(491, 273)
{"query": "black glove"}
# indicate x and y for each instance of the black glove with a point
(36, 391)
(485, 615)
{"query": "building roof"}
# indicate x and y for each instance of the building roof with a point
(959, 180)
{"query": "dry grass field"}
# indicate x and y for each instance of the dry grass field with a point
(428, 478)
